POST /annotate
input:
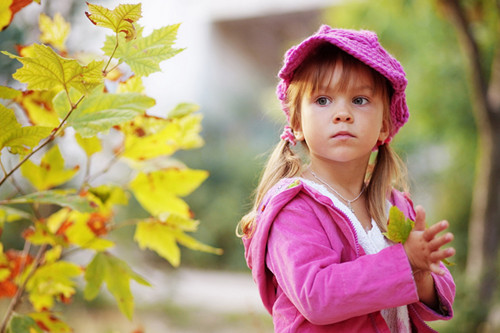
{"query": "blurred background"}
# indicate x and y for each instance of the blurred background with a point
(233, 52)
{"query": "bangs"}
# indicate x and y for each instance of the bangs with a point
(329, 67)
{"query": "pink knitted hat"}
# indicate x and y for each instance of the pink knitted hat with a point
(362, 45)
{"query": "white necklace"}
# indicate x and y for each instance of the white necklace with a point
(349, 202)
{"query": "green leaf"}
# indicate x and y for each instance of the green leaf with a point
(65, 198)
(51, 171)
(398, 227)
(100, 111)
(19, 139)
(183, 109)
(47, 70)
(144, 54)
(120, 19)
(116, 274)
(23, 324)
(9, 214)
(50, 281)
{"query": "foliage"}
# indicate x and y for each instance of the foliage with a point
(91, 105)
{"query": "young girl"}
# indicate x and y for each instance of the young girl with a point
(314, 238)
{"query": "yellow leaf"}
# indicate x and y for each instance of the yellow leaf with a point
(9, 93)
(163, 238)
(45, 70)
(19, 139)
(38, 107)
(50, 281)
(133, 84)
(90, 145)
(5, 13)
(120, 19)
(148, 137)
(51, 321)
(79, 233)
(54, 31)
(9, 8)
(50, 173)
(160, 238)
(158, 192)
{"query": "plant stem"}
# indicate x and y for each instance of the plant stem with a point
(54, 133)
(20, 291)
(111, 57)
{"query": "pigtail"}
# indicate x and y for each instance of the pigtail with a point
(283, 163)
(389, 172)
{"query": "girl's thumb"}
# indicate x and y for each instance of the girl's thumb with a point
(419, 218)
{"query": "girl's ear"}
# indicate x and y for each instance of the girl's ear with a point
(299, 135)
(384, 131)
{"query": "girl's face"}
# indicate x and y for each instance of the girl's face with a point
(342, 121)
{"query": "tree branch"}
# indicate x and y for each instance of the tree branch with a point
(471, 48)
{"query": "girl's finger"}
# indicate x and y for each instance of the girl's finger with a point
(435, 229)
(419, 218)
(437, 256)
(438, 242)
(436, 268)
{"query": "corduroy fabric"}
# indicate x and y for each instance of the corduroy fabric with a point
(362, 45)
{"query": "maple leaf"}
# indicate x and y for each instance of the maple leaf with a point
(9, 93)
(398, 227)
(9, 214)
(50, 281)
(116, 274)
(90, 145)
(50, 322)
(38, 107)
(100, 111)
(54, 32)
(51, 171)
(144, 54)
(120, 19)
(9, 8)
(17, 138)
(65, 198)
(45, 70)
(23, 324)
(148, 137)
(158, 191)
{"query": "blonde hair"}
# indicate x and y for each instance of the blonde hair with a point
(386, 172)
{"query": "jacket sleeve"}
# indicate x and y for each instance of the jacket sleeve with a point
(445, 289)
(310, 265)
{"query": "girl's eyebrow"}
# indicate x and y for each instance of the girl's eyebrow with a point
(326, 88)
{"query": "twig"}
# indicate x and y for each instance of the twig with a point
(17, 297)
(49, 139)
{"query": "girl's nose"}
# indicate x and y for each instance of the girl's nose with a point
(342, 115)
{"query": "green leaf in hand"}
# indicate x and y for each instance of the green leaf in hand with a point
(398, 227)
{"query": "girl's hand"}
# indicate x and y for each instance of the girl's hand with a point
(423, 246)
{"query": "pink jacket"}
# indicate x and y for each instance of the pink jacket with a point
(313, 276)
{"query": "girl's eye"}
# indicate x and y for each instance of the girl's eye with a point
(323, 101)
(360, 101)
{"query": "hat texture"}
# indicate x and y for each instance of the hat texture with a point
(362, 45)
